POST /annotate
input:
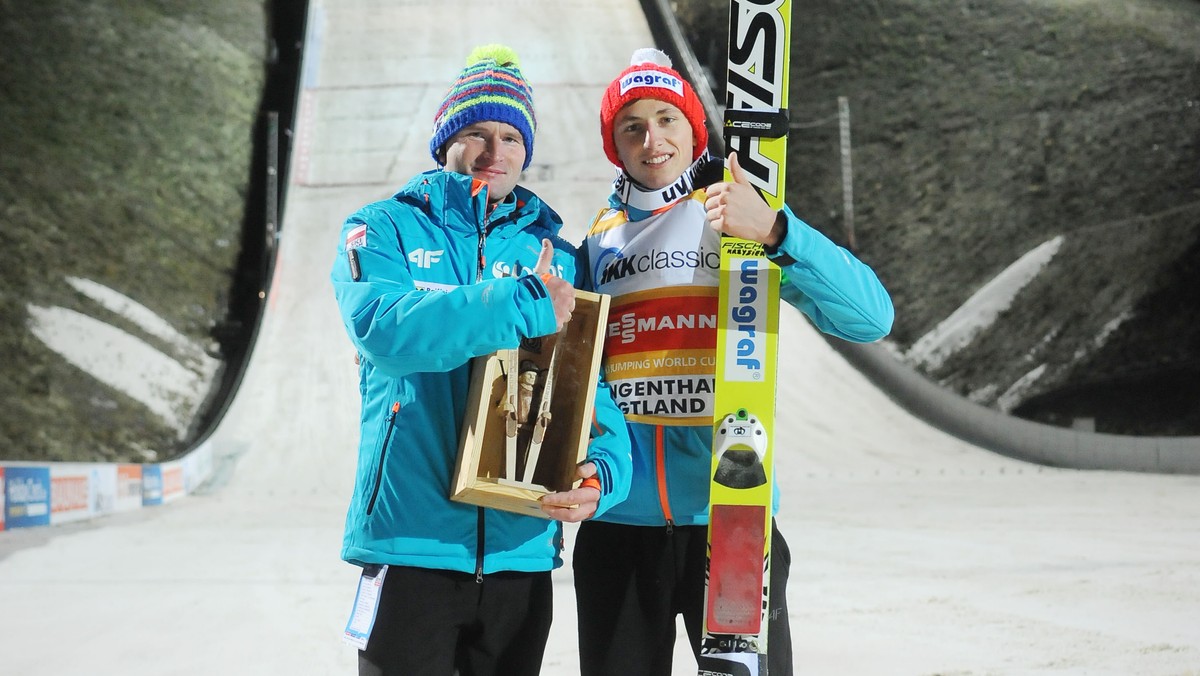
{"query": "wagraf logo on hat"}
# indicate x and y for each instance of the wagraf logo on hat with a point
(651, 78)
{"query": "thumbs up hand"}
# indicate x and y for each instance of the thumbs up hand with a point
(544, 259)
(737, 209)
(562, 293)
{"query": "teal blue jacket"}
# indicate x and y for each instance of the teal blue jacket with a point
(430, 288)
(838, 293)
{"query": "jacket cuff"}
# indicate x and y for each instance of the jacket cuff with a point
(778, 254)
(541, 308)
(604, 474)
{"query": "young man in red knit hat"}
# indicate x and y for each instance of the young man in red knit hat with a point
(656, 250)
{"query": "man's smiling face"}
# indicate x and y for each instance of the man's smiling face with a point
(654, 141)
(493, 152)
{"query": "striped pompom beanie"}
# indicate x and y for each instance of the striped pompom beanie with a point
(490, 89)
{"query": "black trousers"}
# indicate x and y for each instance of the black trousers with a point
(631, 582)
(432, 622)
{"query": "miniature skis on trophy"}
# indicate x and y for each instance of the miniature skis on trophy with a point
(543, 418)
(516, 406)
(510, 409)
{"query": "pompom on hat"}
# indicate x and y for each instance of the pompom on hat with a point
(490, 89)
(649, 76)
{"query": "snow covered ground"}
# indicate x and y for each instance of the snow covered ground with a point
(912, 552)
(171, 379)
(981, 309)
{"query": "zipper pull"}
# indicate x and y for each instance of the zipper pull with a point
(482, 229)
(670, 527)
(479, 545)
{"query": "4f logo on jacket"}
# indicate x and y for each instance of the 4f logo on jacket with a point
(424, 259)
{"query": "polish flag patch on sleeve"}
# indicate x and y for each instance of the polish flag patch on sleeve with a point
(357, 237)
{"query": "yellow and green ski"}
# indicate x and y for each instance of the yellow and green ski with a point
(739, 531)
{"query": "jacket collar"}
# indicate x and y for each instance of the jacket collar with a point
(437, 190)
(639, 202)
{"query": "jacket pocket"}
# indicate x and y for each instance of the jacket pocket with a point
(389, 428)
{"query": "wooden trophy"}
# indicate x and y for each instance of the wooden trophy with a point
(529, 414)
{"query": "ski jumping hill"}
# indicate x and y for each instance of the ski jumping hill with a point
(913, 552)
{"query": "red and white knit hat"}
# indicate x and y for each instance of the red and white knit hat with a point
(649, 76)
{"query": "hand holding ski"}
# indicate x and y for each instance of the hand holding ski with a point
(736, 208)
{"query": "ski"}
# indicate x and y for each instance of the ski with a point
(741, 485)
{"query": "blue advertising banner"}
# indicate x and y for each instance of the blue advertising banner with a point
(27, 497)
(152, 485)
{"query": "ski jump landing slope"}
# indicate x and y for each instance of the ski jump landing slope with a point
(912, 552)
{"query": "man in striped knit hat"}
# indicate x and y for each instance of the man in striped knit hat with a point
(461, 262)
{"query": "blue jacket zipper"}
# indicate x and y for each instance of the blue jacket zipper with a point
(383, 456)
(479, 549)
(482, 264)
